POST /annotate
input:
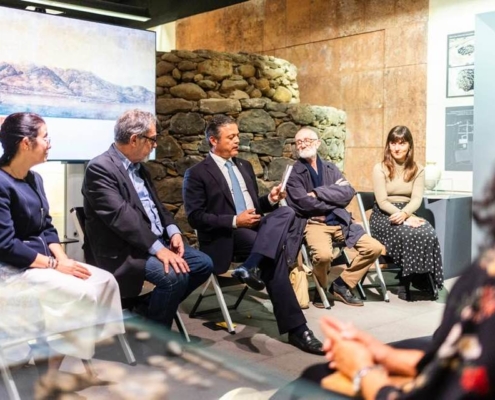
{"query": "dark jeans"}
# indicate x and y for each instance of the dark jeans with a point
(172, 288)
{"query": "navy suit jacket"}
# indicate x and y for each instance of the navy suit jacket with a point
(210, 207)
(117, 226)
(25, 225)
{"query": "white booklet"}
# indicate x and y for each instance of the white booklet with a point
(285, 177)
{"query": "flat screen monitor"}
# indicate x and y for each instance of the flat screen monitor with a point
(79, 76)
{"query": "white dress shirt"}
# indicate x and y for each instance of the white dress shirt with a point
(223, 168)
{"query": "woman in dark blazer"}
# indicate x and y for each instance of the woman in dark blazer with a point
(49, 292)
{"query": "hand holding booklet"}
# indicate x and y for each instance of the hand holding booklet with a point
(285, 177)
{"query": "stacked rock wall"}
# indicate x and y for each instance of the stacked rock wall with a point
(259, 92)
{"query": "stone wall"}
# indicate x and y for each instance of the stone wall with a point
(259, 92)
(368, 58)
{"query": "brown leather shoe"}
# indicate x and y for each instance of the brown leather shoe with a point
(344, 294)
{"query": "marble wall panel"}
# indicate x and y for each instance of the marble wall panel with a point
(298, 22)
(300, 56)
(245, 33)
(359, 163)
(420, 155)
(362, 52)
(362, 89)
(320, 90)
(324, 22)
(182, 33)
(324, 58)
(410, 11)
(351, 15)
(406, 44)
(380, 14)
(364, 127)
(274, 25)
(405, 86)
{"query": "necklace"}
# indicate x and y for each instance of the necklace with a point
(16, 175)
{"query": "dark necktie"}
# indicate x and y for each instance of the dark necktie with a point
(240, 203)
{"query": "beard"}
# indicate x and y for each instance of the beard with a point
(308, 152)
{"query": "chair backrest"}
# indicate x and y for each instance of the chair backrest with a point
(79, 219)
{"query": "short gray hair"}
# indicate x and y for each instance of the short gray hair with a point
(132, 122)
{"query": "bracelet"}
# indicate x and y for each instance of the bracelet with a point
(52, 262)
(358, 378)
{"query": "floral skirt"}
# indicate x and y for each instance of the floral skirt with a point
(416, 250)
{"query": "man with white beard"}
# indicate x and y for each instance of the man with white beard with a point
(319, 193)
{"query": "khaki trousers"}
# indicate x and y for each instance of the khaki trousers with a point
(319, 239)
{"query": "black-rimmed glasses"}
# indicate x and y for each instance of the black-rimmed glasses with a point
(306, 142)
(151, 139)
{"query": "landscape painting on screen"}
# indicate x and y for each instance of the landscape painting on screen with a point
(63, 68)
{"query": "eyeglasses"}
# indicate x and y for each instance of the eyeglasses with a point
(306, 142)
(153, 139)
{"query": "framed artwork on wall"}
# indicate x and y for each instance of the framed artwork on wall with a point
(459, 134)
(460, 64)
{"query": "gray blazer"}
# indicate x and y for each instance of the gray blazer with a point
(117, 226)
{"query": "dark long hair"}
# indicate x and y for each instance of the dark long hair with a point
(15, 128)
(400, 134)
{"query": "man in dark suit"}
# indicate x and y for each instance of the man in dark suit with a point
(129, 230)
(221, 200)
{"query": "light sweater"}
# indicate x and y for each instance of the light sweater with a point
(397, 190)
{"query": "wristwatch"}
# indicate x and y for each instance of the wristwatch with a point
(358, 378)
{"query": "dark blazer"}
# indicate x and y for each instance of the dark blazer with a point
(210, 207)
(329, 197)
(117, 226)
(25, 225)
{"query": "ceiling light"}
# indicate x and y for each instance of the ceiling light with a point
(48, 11)
(92, 10)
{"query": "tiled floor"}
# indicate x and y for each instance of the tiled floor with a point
(256, 356)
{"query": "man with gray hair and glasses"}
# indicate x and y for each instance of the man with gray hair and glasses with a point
(319, 193)
(130, 232)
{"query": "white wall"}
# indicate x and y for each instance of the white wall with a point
(165, 36)
(446, 17)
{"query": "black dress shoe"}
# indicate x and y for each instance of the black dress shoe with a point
(343, 294)
(307, 342)
(249, 276)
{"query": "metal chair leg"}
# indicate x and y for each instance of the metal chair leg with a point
(193, 313)
(129, 355)
(319, 288)
(8, 381)
(181, 327)
(433, 286)
(223, 305)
